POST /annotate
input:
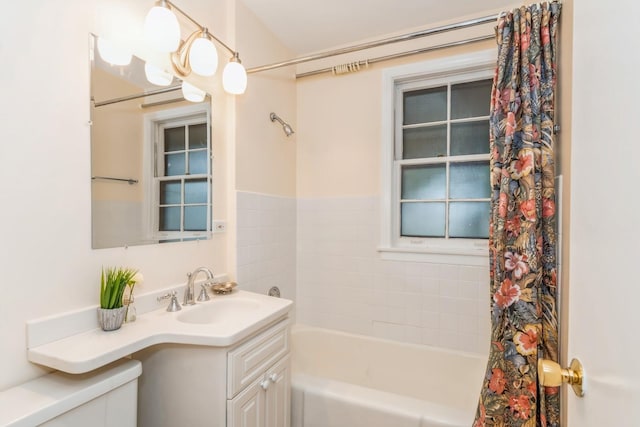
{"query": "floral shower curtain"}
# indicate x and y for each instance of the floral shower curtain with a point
(522, 236)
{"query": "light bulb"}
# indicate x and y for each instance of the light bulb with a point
(113, 53)
(161, 29)
(203, 57)
(192, 93)
(157, 76)
(234, 78)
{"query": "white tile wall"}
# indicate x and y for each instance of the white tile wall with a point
(322, 254)
(266, 243)
(343, 284)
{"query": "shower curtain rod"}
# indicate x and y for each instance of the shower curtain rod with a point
(355, 66)
(382, 42)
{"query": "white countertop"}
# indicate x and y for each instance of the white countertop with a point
(86, 351)
(44, 398)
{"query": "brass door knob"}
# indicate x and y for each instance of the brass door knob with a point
(551, 374)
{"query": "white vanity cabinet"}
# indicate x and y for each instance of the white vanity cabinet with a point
(265, 402)
(258, 381)
(246, 385)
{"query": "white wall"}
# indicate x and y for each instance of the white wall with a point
(266, 158)
(46, 259)
(265, 175)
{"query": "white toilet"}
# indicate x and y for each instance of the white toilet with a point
(106, 397)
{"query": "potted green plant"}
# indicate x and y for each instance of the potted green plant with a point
(113, 282)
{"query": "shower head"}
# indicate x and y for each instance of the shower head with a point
(288, 130)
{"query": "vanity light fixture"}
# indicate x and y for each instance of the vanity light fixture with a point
(192, 93)
(161, 28)
(113, 53)
(157, 76)
(203, 56)
(234, 76)
(198, 53)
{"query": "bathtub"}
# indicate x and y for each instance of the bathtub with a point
(346, 380)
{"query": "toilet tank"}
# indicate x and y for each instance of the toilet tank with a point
(106, 397)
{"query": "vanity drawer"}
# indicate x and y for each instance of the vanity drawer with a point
(250, 360)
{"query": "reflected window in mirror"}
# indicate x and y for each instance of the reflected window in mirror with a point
(181, 152)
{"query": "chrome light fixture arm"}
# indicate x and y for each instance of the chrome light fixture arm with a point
(197, 24)
(180, 58)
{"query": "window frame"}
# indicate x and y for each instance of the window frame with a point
(153, 151)
(439, 72)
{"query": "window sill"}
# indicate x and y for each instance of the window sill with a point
(455, 256)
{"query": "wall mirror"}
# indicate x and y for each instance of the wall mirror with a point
(151, 171)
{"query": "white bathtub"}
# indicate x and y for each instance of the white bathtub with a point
(347, 380)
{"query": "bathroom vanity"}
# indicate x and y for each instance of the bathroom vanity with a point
(220, 363)
(242, 385)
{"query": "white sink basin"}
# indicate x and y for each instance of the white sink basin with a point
(219, 310)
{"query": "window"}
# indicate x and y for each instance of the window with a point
(436, 152)
(442, 153)
(181, 184)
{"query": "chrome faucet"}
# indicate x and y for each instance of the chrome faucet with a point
(191, 278)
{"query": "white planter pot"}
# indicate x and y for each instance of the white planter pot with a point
(111, 319)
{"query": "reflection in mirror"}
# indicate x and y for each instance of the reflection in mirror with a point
(150, 155)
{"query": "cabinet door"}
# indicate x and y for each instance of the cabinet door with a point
(278, 412)
(248, 408)
(252, 359)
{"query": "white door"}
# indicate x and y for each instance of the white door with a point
(604, 262)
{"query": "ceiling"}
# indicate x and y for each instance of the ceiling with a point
(306, 26)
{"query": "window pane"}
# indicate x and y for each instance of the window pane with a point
(174, 139)
(469, 138)
(422, 219)
(424, 142)
(426, 105)
(174, 164)
(469, 219)
(197, 162)
(198, 136)
(423, 182)
(469, 180)
(470, 99)
(195, 218)
(195, 191)
(170, 219)
(170, 192)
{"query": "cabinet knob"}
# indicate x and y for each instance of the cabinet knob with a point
(273, 377)
(265, 384)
